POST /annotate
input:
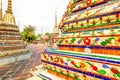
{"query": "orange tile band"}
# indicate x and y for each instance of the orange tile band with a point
(95, 51)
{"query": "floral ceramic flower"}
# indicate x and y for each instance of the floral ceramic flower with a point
(87, 41)
(56, 59)
(117, 40)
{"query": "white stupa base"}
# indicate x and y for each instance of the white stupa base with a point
(39, 70)
(12, 59)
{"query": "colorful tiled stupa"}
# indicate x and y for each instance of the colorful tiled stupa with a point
(89, 48)
(11, 43)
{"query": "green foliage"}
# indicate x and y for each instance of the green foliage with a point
(49, 35)
(28, 34)
(23, 34)
(29, 28)
(39, 35)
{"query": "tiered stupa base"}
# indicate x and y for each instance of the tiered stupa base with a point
(15, 58)
(72, 65)
(38, 73)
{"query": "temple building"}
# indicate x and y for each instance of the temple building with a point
(55, 32)
(56, 29)
(12, 48)
(89, 48)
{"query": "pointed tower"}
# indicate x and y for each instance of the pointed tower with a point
(9, 17)
(0, 9)
(56, 17)
(12, 47)
(9, 8)
(56, 30)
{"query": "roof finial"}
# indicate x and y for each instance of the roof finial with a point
(9, 8)
(56, 30)
(55, 16)
(0, 9)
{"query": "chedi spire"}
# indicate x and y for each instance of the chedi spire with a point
(55, 17)
(9, 8)
(0, 9)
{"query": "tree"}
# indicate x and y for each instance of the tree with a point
(29, 29)
(39, 35)
(23, 34)
(28, 34)
(47, 36)
(47, 33)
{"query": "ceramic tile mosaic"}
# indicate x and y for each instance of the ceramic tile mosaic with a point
(89, 46)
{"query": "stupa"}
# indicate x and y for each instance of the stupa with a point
(89, 47)
(12, 48)
(55, 32)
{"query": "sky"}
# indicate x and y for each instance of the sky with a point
(38, 13)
